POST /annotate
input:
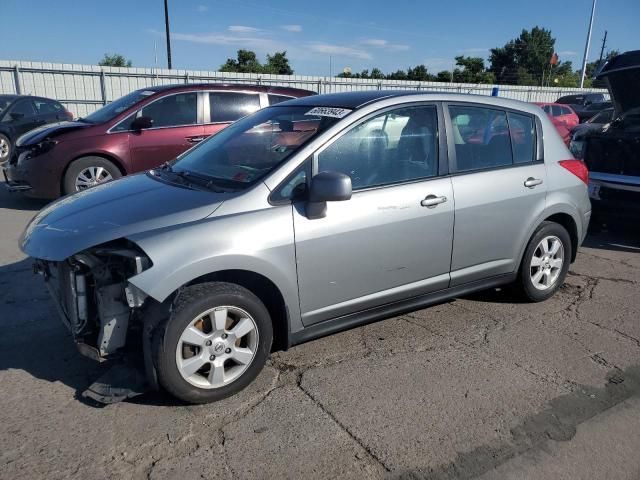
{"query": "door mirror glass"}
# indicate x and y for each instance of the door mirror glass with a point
(142, 123)
(327, 187)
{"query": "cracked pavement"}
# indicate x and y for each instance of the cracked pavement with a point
(478, 387)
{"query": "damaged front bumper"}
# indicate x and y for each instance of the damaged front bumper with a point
(106, 315)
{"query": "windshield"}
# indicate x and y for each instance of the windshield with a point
(116, 107)
(249, 149)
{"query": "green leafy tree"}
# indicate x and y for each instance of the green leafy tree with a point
(278, 63)
(377, 73)
(443, 76)
(419, 74)
(114, 60)
(397, 75)
(523, 60)
(472, 71)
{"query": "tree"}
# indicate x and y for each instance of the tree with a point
(397, 75)
(523, 60)
(443, 76)
(377, 73)
(419, 74)
(246, 61)
(278, 63)
(114, 60)
(473, 71)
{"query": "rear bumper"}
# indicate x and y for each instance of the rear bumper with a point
(615, 196)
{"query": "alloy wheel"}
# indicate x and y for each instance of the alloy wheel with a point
(217, 347)
(546, 263)
(4, 149)
(92, 176)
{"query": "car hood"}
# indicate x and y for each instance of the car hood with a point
(131, 205)
(50, 130)
(622, 75)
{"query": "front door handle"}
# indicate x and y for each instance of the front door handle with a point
(432, 201)
(195, 139)
(532, 182)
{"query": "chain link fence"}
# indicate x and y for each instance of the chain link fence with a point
(85, 88)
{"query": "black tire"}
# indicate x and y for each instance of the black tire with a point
(5, 139)
(77, 166)
(190, 304)
(524, 284)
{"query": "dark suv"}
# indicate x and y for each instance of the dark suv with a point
(612, 153)
(134, 133)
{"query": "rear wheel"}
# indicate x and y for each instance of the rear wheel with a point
(214, 344)
(87, 172)
(545, 262)
(5, 148)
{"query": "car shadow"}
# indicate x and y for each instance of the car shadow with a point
(34, 342)
(18, 201)
(616, 238)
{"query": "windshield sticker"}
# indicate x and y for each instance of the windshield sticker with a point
(329, 112)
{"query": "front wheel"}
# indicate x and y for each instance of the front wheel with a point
(545, 262)
(215, 342)
(87, 172)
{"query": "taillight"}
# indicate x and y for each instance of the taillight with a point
(69, 115)
(578, 168)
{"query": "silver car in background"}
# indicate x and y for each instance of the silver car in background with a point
(306, 218)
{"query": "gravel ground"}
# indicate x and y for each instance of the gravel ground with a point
(481, 386)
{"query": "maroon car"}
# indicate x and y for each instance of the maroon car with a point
(134, 133)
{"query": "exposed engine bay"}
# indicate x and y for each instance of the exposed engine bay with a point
(101, 309)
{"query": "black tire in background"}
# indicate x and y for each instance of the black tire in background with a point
(524, 283)
(82, 164)
(190, 304)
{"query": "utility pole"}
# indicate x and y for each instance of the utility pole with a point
(166, 26)
(586, 47)
(604, 43)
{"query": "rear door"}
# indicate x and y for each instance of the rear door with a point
(224, 107)
(177, 126)
(499, 184)
(392, 239)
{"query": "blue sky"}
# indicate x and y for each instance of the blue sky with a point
(358, 34)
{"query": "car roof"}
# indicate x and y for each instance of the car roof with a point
(230, 86)
(355, 100)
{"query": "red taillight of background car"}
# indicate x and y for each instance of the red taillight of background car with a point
(69, 115)
(578, 168)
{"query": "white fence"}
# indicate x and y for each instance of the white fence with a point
(84, 88)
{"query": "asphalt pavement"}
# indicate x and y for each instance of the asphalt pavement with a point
(478, 387)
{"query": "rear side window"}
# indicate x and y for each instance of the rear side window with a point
(547, 109)
(566, 111)
(485, 138)
(556, 110)
(273, 99)
(230, 106)
(522, 132)
(481, 138)
(44, 107)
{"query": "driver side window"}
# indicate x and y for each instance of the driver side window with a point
(173, 110)
(397, 146)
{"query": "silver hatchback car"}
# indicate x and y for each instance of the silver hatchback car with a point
(309, 217)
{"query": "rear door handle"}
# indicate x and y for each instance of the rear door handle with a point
(195, 139)
(432, 201)
(532, 182)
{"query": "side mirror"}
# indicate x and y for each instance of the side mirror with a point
(141, 123)
(15, 116)
(327, 187)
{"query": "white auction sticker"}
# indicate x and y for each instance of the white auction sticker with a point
(329, 112)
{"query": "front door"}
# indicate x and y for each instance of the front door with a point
(499, 183)
(392, 239)
(176, 128)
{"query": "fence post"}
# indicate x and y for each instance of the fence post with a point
(16, 79)
(103, 87)
(186, 77)
(379, 85)
(320, 86)
(259, 81)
